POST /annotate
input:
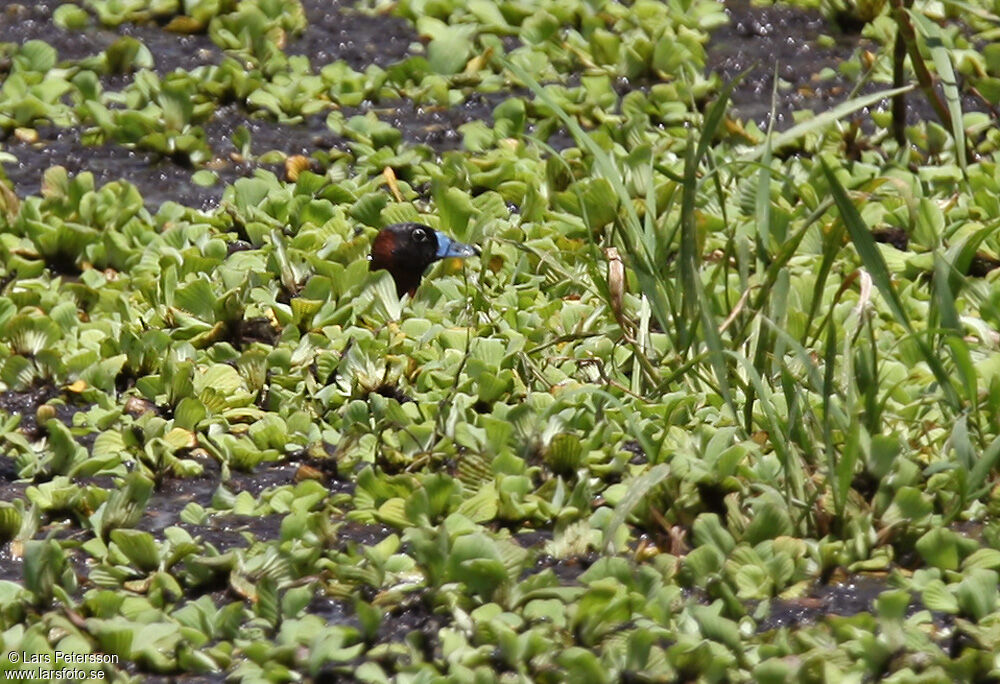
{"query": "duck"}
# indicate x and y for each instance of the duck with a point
(407, 249)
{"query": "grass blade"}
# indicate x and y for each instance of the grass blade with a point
(873, 261)
(644, 263)
(949, 83)
(637, 490)
(821, 120)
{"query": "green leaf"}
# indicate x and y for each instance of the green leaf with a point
(219, 377)
(70, 17)
(708, 530)
(454, 207)
(638, 488)
(943, 548)
(872, 259)
(37, 55)
(10, 522)
(977, 593)
(936, 596)
(449, 53)
(139, 547)
(198, 298)
(941, 56)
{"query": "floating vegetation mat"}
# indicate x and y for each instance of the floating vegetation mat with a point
(718, 401)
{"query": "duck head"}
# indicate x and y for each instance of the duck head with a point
(407, 249)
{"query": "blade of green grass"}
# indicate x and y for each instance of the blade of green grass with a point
(829, 390)
(949, 83)
(873, 261)
(643, 262)
(982, 467)
(821, 120)
(761, 345)
(637, 490)
(960, 354)
(792, 468)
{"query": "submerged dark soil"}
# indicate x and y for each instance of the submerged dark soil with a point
(855, 594)
(160, 179)
(336, 31)
(759, 39)
(21, 22)
(435, 126)
(25, 404)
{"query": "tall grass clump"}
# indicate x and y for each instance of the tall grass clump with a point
(816, 397)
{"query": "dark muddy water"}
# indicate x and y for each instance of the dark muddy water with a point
(757, 39)
(24, 21)
(762, 41)
(336, 31)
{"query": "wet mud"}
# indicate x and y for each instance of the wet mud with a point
(360, 534)
(334, 611)
(267, 135)
(10, 488)
(157, 178)
(434, 126)
(568, 570)
(209, 678)
(25, 403)
(338, 32)
(24, 21)
(160, 179)
(225, 532)
(412, 619)
(170, 498)
(335, 31)
(857, 594)
(758, 38)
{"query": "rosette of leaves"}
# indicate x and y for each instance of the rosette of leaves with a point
(164, 448)
(165, 125)
(126, 55)
(144, 351)
(290, 94)
(64, 456)
(564, 454)
(61, 244)
(11, 517)
(221, 390)
(485, 367)
(216, 317)
(33, 89)
(259, 30)
(460, 551)
(31, 340)
(48, 574)
(116, 12)
(194, 394)
(228, 82)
